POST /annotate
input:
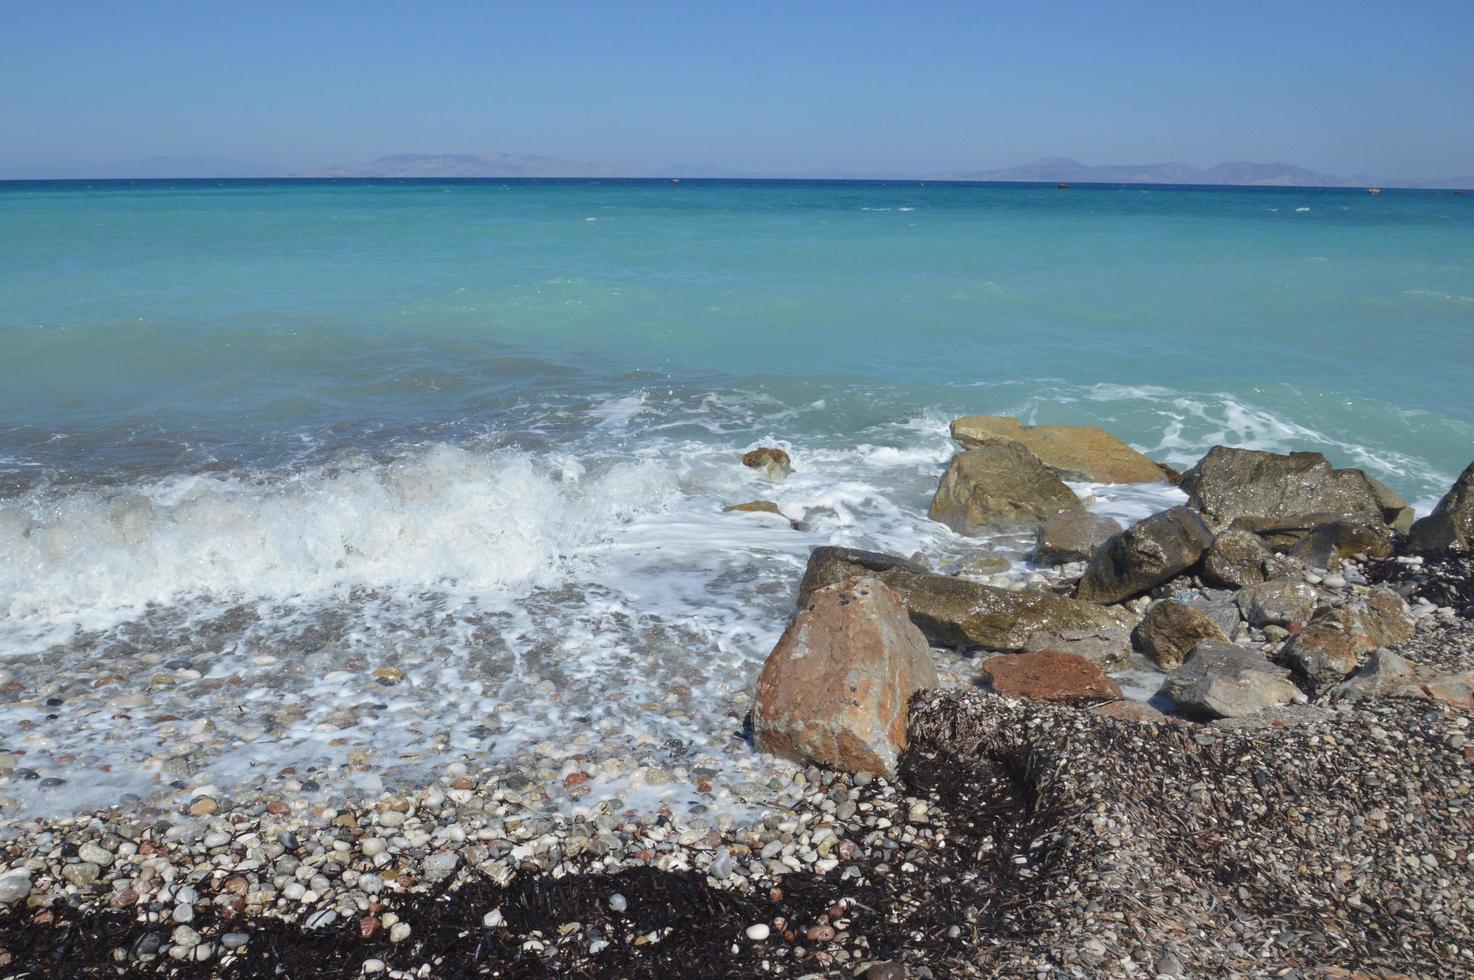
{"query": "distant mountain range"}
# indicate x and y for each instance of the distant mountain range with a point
(432, 166)
(466, 165)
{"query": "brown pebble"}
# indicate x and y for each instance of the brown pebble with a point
(368, 926)
(775, 894)
(820, 934)
(125, 899)
(277, 807)
(575, 779)
(203, 807)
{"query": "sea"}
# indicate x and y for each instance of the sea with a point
(437, 469)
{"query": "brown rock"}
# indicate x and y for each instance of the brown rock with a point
(754, 507)
(1328, 543)
(1074, 452)
(1451, 525)
(772, 461)
(1229, 483)
(834, 690)
(1337, 639)
(1049, 675)
(1136, 712)
(958, 612)
(1171, 629)
(1144, 555)
(1072, 535)
(998, 487)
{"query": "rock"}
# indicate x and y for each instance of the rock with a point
(1074, 452)
(83, 874)
(757, 932)
(1049, 675)
(1396, 513)
(981, 563)
(998, 487)
(1283, 602)
(90, 851)
(1220, 680)
(440, 865)
(1144, 555)
(886, 971)
(834, 690)
(1387, 675)
(14, 886)
(1106, 645)
(957, 612)
(1171, 629)
(1338, 540)
(1450, 527)
(1452, 689)
(1235, 559)
(1219, 605)
(1230, 483)
(754, 507)
(1072, 535)
(770, 460)
(1336, 640)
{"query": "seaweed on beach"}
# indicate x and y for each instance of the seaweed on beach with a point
(1444, 579)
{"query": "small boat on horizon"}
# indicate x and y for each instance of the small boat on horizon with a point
(1374, 191)
(1063, 185)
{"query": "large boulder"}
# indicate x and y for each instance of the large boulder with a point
(1284, 602)
(1220, 680)
(1236, 558)
(958, 612)
(1171, 629)
(834, 690)
(1451, 525)
(1329, 543)
(1337, 639)
(999, 488)
(1075, 452)
(1072, 535)
(1144, 556)
(1049, 675)
(1230, 483)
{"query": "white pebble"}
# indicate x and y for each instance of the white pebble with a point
(757, 932)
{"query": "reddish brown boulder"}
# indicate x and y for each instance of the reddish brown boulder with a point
(1049, 675)
(834, 689)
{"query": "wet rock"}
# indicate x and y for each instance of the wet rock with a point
(1144, 555)
(1220, 680)
(771, 461)
(1283, 602)
(1072, 535)
(1450, 527)
(1230, 483)
(834, 689)
(981, 563)
(1235, 559)
(1074, 452)
(1336, 540)
(14, 886)
(1106, 645)
(753, 507)
(957, 612)
(1171, 629)
(998, 487)
(1049, 675)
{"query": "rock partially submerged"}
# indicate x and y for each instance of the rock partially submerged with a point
(1232, 483)
(958, 612)
(1450, 527)
(771, 461)
(1075, 452)
(1221, 680)
(834, 689)
(1144, 556)
(1049, 675)
(1072, 535)
(999, 487)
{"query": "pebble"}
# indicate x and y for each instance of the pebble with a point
(617, 902)
(757, 932)
(399, 932)
(321, 919)
(14, 886)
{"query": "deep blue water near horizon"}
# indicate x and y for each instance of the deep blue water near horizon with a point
(484, 431)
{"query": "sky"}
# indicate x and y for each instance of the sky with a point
(919, 87)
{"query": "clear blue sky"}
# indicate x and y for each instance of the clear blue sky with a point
(1383, 88)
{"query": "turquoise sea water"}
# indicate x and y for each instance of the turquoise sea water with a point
(485, 430)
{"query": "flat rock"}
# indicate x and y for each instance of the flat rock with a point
(1221, 680)
(1450, 527)
(1049, 675)
(833, 692)
(1072, 535)
(1075, 452)
(958, 612)
(998, 487)
(1171, 629)
(1230, 483)
(1144, 556)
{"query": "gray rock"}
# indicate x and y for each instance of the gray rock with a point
(1330, 542)
(998, 487)
(1144, 556)
(1383, 675)
(82, 875)
(14, 886)
(1283, 602)
(1072, 535)
(1235, 559)
(1396, 513)
(1220, 680)
(1231, 483)
(440, 865)
(1451, 525)
(90, 851)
